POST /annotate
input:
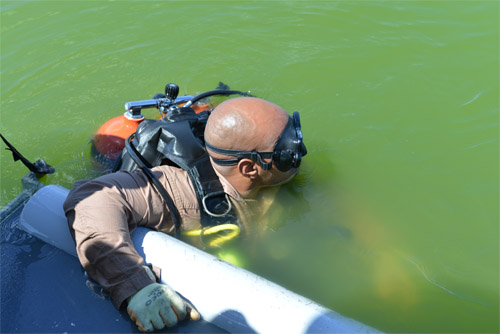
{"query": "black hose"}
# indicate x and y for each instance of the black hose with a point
(224, 92)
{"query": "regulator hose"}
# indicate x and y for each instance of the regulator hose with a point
(224, 92)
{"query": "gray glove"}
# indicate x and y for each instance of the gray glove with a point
(158, 305)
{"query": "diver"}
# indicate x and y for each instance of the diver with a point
(252, 145)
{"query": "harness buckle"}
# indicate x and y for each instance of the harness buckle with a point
(215, 194)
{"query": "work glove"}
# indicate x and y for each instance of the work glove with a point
(158, 305)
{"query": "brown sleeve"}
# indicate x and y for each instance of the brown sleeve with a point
(102, 213)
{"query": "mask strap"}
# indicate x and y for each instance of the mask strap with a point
(255, 156)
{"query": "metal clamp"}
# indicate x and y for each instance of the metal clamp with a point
(204, 199)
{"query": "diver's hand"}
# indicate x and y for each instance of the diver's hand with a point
(158, 305)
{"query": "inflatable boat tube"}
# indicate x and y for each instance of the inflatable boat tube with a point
(227, 296)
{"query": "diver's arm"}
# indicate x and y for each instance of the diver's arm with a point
(101, 213)
(100, 227)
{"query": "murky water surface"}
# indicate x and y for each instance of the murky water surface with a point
(394, 218)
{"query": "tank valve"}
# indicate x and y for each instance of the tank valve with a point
(171, 91)
(134, 113)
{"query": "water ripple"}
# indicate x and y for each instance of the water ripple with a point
(478, 95)
(434, 282)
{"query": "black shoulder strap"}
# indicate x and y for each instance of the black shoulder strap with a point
(137, 157)
(178, 144)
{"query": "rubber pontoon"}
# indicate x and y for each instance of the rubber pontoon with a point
(49, 295)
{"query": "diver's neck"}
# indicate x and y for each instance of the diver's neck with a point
(248, 193)
(246, 188)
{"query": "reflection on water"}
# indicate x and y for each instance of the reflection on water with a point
(11, 235)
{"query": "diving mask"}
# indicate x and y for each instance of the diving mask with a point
(287, 153)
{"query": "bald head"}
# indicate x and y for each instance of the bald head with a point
(246, 123)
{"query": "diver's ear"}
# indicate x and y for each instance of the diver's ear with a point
(248, 168)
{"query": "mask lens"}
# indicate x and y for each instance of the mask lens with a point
(298, 129)
(290, 148)
(296, 123)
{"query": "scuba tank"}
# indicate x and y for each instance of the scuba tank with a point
(109, 140)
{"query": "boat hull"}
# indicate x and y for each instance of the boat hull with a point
(228, 298)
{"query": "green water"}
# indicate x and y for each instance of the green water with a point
(394, 218)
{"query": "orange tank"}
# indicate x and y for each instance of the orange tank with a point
(109, 139)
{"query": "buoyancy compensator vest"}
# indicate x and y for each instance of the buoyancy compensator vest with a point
(178, 140)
